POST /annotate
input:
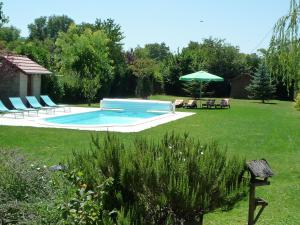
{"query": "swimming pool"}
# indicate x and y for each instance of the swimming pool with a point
(104, 118)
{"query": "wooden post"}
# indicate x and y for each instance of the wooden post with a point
(251, 203)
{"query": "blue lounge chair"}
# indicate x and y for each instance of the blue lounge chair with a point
(4, 110)
(19, 105)
(50, 103)
(34, 103)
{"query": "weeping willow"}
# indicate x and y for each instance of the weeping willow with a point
(283, 57)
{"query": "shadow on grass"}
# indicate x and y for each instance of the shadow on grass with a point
(206, 109)
(266, 103)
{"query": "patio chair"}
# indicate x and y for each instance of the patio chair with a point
(191, 104)
(19, 105)
(209, 104)
(48, 101)
(179, 103)
(224, 103)
(34, 103)
(4, 110)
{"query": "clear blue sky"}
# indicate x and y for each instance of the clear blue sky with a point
(243, 23)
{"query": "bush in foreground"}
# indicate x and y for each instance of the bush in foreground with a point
(27, 192)
(174, 181)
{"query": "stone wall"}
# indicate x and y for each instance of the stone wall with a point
(9, 86)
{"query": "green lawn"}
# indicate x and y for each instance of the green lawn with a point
(250, 129)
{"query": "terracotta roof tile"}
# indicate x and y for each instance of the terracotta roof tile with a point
(26, 65)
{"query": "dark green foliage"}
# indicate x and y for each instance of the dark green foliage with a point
(261, 86)
(27, 191)
(9, 34)
(36, 51)
(3, 18)
(145, 70)
(193, 88)
(158, 52)
(48, 27)
(166, 182)
(297, 104)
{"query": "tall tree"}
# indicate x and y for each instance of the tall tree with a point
(283, 56)
(49, 27)
(9, 34)
(38, 29)
(158, 52)
(3, 18)
(261, 86)
(85, 57)
(145, 70)
(58, 24)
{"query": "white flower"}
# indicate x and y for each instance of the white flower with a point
(201, 153)
(38, 168)
(170, 147)
(45, 166)
(32, 165)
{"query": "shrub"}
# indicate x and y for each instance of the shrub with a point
(261, 86)
(26, 191)
(173, 181)
(297, 105)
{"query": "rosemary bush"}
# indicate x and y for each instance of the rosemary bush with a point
(173, 181)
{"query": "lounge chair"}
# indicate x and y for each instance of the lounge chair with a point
(48, 101)
(19, 105)
(4, 110)
(224, 103)
(179, 103)
(191, 104)
(34, 103)
(209, 104)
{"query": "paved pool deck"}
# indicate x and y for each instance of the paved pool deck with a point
(38, 121)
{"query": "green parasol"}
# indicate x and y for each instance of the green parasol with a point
(201, 76)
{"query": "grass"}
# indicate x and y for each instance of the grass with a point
(249, 129)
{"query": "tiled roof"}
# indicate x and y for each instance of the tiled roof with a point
(26, 65)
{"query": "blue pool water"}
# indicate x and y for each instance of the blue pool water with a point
(103, 117)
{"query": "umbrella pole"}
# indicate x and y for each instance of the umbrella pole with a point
(200, 89)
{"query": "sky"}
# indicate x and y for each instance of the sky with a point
(244, 23)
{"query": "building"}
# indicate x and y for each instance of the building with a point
(20, 77)
(238, 85)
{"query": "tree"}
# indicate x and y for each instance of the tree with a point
(144, 69)
(58, 24)
(3, 18)
(283, 55)
(261, 86)
(38, 29)
(9, 34)
(158, 52)
(84, 57)
(49, 27)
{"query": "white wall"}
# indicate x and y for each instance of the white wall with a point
(36, 85)
(23, 85)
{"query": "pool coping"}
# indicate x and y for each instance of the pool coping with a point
(126, 128)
